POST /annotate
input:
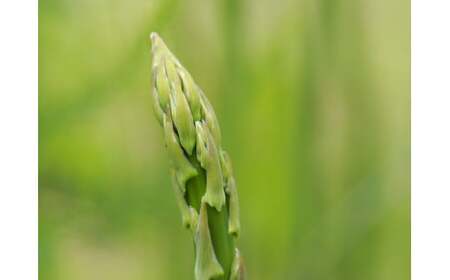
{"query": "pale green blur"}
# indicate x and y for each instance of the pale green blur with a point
(313, 99)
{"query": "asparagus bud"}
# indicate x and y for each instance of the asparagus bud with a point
(204, 185)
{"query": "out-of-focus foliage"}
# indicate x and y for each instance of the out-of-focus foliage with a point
(314, 102)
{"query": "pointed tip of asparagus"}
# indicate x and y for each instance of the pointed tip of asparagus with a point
(191, 128)
(158, 45)
(154, 37)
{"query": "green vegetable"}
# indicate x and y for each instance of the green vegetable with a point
(202, 176)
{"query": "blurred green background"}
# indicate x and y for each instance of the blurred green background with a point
(313, 98)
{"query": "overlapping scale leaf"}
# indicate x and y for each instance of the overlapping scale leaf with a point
(208, 156)
(210, 117)
(237, 267)
(184, 170)
(192, 94)
(181, 202)
(230, 188)
(206, 265)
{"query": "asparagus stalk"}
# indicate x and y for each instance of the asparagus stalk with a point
(202, 176)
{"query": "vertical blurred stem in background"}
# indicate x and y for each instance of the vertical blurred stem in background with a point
(232, 84)
(335, 73)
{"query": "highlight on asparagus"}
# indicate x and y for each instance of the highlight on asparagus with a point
(202, 176)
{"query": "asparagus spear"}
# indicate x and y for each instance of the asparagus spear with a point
(202, 176)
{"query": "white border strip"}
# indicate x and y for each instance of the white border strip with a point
(430, 142)
(430, 139)
(18, 139)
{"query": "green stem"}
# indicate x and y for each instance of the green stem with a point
(218, 221)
